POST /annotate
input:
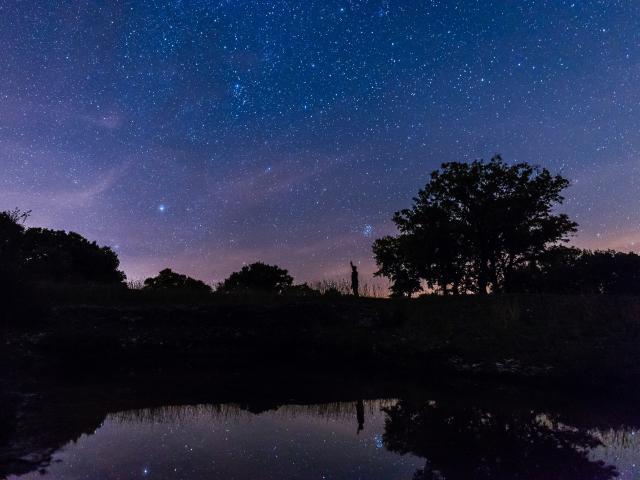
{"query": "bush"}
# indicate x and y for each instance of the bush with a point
(257, 277)
(170, 280)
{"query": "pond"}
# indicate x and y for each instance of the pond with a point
(423, 436)
(224, 441)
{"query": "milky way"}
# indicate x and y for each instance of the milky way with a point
(200, 135)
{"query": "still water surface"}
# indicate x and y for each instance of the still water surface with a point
(371, 439)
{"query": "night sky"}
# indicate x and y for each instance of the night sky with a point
(199, 135)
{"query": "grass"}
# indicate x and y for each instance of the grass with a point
(49, 294)
(343, 287)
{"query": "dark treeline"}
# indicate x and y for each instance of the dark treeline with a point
(475, 228)
(490, 227)
(256, 278)
(563, 269)
(31, 256)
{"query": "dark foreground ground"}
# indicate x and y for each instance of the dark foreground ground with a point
(64, 368)
(589, 340)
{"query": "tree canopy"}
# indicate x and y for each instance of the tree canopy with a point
(11, 234)
(167, 279)
(396, 265)
(68, 257)
(40, 254)
(257, 277)
(575, 271)
(472, 226)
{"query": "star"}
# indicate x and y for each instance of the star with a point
(268, 122)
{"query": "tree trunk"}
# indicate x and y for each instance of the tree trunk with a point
(482, 279)
(493, 276)
(508, 270)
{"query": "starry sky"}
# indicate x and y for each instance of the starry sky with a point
(202, 135)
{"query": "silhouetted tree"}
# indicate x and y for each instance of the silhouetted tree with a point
(56, 255)
(395, 265)
(11, 236)
(475, 223)
(572, 270)
(38, 254)
(167, 279)
(612, 272)
(11, 259)
(257, 277)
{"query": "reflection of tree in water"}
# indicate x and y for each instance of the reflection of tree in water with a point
(620, 446)
(467, 443)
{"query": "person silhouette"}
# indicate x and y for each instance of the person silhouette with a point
(360, 415)
(354, 279)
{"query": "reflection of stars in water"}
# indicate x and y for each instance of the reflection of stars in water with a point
(367, 230)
